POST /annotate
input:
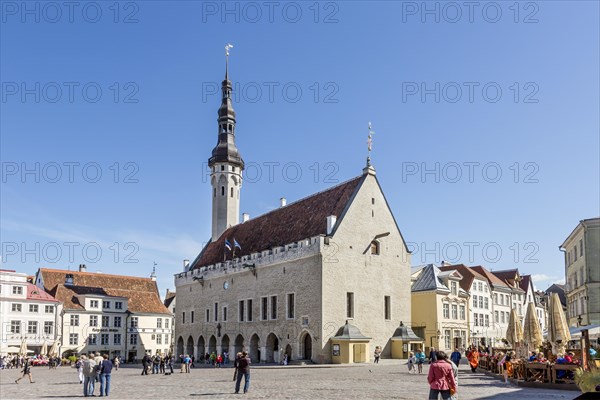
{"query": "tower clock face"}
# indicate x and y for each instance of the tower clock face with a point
(226, 285)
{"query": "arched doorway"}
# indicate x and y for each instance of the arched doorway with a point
(288, 352)
(212, 344)
(179, 347)
(189, 349)
(239, 344)
(225, 346)
(306, 346)
(272, 349)
(200, 347)
(254, 351)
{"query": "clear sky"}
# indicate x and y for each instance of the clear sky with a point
(486, 120)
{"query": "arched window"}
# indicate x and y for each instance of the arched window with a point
(374, 247)
(222, 190)
(215, 192)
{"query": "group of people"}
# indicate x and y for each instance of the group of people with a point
(416, 361)
(158, 363)
(95, 368)
(11, 361)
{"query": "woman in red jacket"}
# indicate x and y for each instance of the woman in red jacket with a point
(441, 379)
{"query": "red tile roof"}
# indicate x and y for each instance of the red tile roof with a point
(297, 221)
(493, 280)
(37, 294)
(525, 279)
(467, 273)
(142, 293)
(508, 276)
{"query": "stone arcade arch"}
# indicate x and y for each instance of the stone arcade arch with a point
(200, 347)
(179, 348)
(272, 349)
(189, 349)
(212, 345)
(239, 344)
(254, 350)
(225, 345)
(306, 346)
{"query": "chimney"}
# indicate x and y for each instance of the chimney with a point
(331, 223)
(69, 280)
(245, 217)
(82, 268)
(186, 264)
(282, 202)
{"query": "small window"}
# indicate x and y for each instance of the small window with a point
(207, 315)
(249, 310)
(106, 304)
(216, 312)
(231, 191)
(119, 305)
(291, 303)
(349, 305)
(183, 317)
(215, 192)
(222, 190)
(192, 317)
(387, 309)
(374, 247)
(372, 200)
(241, 310)
(222, 168)
(224, 314)
(17, 290)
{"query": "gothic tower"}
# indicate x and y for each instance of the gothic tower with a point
(226, 165)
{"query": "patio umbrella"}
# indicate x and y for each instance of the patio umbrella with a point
(44, 349)
(532, 333)
(514, 333)
(54, 349)
(558, 330)
(23, 349)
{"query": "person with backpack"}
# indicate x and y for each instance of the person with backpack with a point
(89, 374)
(145, 362)
(156, 364)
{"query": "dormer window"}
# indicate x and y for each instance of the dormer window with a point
(375, 247)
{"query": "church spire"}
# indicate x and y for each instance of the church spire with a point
(226, 164)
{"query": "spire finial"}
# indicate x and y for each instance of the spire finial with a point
(153, 275)
(228, 47)
(369, 168)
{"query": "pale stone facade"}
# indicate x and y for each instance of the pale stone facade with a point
(582, 273)
(357, 271)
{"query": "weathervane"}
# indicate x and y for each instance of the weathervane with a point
(370, 143)
(228, 46)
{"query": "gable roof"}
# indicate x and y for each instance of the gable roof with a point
(38, 294)
(509, 277)
(525, 281)
(296, 221)
(429, 279)
(169, 298)
(468, 275)
(142, 293)
(560, 290)
(493, 280)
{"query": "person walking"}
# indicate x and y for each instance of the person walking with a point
(473, 357)
(116, 363)
(145, 363)
(441, 378)
(455, 373)
(169, 363)
(455, 357)
(79, 367)
(377, 354)
(432, 356)
(243, 369)
(156, 363)
(420, 356)
(26, 371)
(89, 375)
(105, 373)
(412, 360)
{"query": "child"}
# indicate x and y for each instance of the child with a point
(412, 360)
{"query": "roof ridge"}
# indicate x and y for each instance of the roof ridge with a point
(301, 199)
(96, 274)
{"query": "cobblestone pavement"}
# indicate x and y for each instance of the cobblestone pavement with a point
(387, 380)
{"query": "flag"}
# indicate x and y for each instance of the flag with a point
(236, 244)
(227, 244)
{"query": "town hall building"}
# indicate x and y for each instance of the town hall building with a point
(323, 279)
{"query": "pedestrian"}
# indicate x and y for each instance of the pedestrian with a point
(505, 364)
(441, 378)
(226, 357)
(162, 364)
(453, 396)
(26, 371)
(219, 361)
(105, 373)
(169, 363)
(156, 364)
(207, 358)
(116, 363)
(145, 361)
(192, 359)
(377, 354)
(455, 357)
(213, 358)
(420, 356)
(473, 357)
(79, 367)
(89, 376)
(235, 365)
(243, 369)
(285, 359)
(432, 356)
(412, 360)
(98, 358)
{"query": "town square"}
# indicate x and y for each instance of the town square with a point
(296, 199)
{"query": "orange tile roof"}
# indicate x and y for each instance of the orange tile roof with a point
(36, 293)
(142, 293)
(468, 275)
(493, 280)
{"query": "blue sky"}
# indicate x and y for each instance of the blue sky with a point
(497, 89)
